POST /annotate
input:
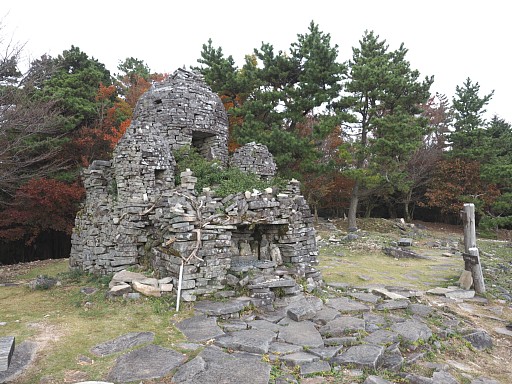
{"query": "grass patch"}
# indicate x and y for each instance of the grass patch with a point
(69, 323)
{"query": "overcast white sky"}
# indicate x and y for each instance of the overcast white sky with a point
(450, 39)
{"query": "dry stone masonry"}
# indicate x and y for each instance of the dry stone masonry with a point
(135, 214)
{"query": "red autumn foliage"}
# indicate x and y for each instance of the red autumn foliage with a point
(41, 205)
(457, 181)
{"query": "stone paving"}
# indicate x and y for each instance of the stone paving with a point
(354, 336)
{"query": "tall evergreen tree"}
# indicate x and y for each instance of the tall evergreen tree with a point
(383, 95)
(469, 122)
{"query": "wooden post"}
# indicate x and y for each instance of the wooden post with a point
(471, 253)
(476, 271)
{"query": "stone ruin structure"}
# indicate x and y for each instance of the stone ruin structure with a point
(134, 214)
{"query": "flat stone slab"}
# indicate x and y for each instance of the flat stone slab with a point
(302, 333)
(376, 380)
(6, 351)
(214, 366)
(325, 353)
(149, 362)
(367, 297)
(315, 367)
(264, 324)
(392, 305)
(460, 294)
(341, 326)
(361, 356)
(279, 348)
(325, 315)
(200, 328)
(304, 309)
(381, 337)
(420, 309)
(123, 343)
(346, 305)
(412, 330)
(299, 358)
(23, 355)
(250, 340)
(219, 308)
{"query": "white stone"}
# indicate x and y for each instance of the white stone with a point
(166, 287)
(146, 290)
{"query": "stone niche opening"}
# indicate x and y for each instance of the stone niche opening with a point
(256, 244)
(203, 142)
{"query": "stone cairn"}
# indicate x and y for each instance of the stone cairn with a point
(254, 158)
(134, 214)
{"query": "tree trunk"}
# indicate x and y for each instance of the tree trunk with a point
(352, 211)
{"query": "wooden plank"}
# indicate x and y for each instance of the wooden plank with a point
(6, 351)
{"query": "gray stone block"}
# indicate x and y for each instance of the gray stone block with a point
(6, 351)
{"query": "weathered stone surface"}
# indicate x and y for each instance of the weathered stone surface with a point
(280, 348)
(250, 340)
(460, 294)
(420, 309)
(6, 351)
(200, 328)
(376, 380)
(264, 324)
(23, 356)
(146, 290)
(125, 276)
(367, 297)
(392, 305)
(325, 315)
(393, 359)
(218, 308)
(345, 305)
(484, 380)
(301, 333)
(443, 377)
(479, 339)
(299, 358)
(412, 330)
(361, 356)
(381, 337)
(314, 367)
(213, 366)
(123, 343)
(120, 290)
(342, 326)
(325, 353)
(388, 294)
(148, 362)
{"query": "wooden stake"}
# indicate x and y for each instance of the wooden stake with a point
(472, 255)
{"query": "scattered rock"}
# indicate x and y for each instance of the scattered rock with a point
(479, 339)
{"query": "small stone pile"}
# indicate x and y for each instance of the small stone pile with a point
(125, 282)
